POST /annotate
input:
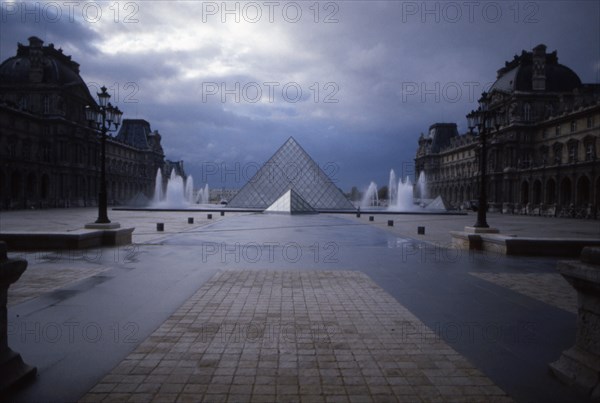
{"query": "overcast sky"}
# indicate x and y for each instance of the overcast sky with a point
(355, 82)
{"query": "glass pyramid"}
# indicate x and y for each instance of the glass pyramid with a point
(291, 203)
(291, 168)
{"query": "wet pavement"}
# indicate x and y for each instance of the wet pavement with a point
(77, 334)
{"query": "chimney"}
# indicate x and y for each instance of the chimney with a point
(538, 77)
(36, 67)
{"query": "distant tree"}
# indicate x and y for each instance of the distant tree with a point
(382, 193)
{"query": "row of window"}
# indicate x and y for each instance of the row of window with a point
(573, 154)
(565, 192)
(32, 186)
(526, 159)
(573, 127)
(25, 104)
(27, 150)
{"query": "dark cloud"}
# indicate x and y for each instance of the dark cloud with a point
(21, 20)
(392, 69)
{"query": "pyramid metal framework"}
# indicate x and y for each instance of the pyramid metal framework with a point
(290, 203)
(291, 168)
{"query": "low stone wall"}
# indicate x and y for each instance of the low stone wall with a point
(512, 245)
(79, 239)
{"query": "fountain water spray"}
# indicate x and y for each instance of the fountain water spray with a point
(370, 199)
(404, 196)
(392, 189)
(179, 192)
(203, 196)
(422, 186)
(189, 189)
(158, 188)
(401, 195)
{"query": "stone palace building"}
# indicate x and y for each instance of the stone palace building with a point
(542, 161)
(49, 155)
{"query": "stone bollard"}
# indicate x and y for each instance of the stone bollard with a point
(580, 364)
(12, 367)
(222, 213)
(160, 226)
(421, 230)
(390, 223)
(209, 216)
(371, 218)
(190, 220)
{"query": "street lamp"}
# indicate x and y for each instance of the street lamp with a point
(483, 119)
(103, 118)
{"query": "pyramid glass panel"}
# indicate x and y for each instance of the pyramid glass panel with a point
(291, 168)
(291, 203)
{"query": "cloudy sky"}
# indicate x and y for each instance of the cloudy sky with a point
(355, 82)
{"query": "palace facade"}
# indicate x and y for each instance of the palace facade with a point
(49, 155)
(542, 161)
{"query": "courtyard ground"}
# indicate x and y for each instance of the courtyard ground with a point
(290, 308)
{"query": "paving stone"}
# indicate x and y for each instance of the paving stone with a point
(549, 288)
(93, 397)
(212, 356)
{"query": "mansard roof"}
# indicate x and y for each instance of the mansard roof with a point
(52, 65)
(518, 74)
(135, 132)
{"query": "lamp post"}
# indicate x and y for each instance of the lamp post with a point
(103, 119)
(483, 119)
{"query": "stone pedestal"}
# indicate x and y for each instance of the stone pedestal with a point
(12, 367)
(108, 226)
(479, 230)
(580, 364)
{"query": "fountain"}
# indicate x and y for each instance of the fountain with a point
(158, 188)
(203, 196)
(422, 186)
(392, 189)
(179, 193)
(404, 196)
(189, 188)
(370, 199)
(401, 195)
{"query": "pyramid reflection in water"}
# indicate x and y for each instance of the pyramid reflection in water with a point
(291, 168)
